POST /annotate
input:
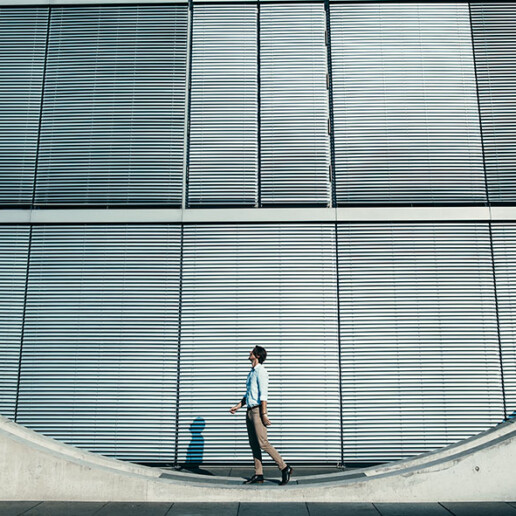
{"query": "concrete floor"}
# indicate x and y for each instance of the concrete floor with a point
(272, 476)
(269, 472)
(249, 470)
(255, 509)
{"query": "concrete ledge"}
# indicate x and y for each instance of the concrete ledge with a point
(36, 467)
(256, 215)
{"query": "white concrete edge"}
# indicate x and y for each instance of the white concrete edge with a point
(33, 438)
(256, 215)
(65, 451)
(488, 435)
(483, 473)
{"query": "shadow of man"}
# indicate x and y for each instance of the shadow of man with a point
(195, 451)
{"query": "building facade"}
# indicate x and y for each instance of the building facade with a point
(334, 181)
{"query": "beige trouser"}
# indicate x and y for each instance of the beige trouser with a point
(257, 433)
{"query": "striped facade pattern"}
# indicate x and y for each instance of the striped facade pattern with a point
(385, 339)
(382, 338)
(14, 246)
(494, 32)
(223, 159)
(23, 35)
(96, 102)
(112, 121)
(406, 116)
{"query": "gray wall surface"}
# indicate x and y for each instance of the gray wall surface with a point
(386, 338)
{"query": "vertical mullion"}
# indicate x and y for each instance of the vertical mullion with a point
(486, 182)
(41, 109)
(489, 223)
(497, 320)
(339, 343)
(259, 132)
(188, 87)
(23, 324)
(178, 370)
(333, 192)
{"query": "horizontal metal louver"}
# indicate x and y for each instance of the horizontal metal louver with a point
(113, 113)
(272, 285)
(504, 249)
(14, 245)
(405, 107)
(494, 36)
(295, 150)
(223, 161)
(23, 34)
(99, 365)
(420, 360)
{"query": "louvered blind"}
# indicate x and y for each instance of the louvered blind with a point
(223, 162)
(272, 285)
(99, 367)
(504, 247)
(113, 113)
(494, 34)
(420, 361)
(23, 33)
(14, 245)
(294, 105)
(405, 105)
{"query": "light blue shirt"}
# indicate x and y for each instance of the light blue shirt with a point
(257, 386)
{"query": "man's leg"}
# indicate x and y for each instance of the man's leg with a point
(265, 445)
(255, 445)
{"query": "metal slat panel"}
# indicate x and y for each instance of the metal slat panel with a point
(23, 34)
(420, 360)
(504, 248)
(99, 365)
(494, 35)
(405, 106)
(14, 246)
(113, 113)
(295, 151)
(272, 285)
(223, 162)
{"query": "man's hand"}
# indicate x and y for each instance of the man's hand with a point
(266, 421)
(235, 408)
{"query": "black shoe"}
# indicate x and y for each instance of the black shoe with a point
(285, 475)
(255, 479)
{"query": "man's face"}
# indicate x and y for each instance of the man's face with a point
(251, 356)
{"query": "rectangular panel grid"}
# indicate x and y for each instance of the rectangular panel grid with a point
(494, 34)
(14, 245)
(99, 365)
(223, 162)
(23, 34)
(113, 112)
(420, 359)
(295, 150)
(270, 285)
(405, 107)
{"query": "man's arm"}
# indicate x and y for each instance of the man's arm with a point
(240, 404)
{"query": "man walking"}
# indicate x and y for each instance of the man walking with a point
(257, 420)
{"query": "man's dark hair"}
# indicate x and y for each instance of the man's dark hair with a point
(260, 354)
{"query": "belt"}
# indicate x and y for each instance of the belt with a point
(254, 406)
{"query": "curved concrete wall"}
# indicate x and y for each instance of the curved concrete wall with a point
(36, 467)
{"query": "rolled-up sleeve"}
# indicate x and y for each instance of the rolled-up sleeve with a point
(263, 384)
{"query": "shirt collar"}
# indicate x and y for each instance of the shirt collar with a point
(257, 365)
